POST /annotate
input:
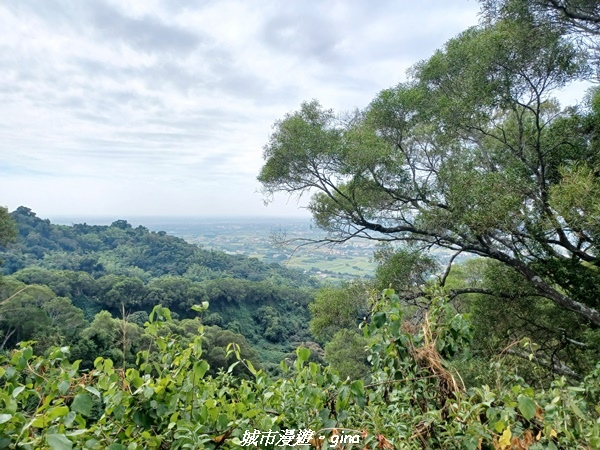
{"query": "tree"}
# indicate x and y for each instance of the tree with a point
(7, 227)
(347, 354)
(7, 230)
(338, 308)
(578, 19)
(128, 292)
(579, 15)
(64, 316)
(402, 270)
(21, 315)
(472, 154)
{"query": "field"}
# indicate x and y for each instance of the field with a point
(260, 238)
(257, 237)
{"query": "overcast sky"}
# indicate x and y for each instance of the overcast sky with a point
(162, 107)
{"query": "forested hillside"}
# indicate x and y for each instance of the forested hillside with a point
(79, 282)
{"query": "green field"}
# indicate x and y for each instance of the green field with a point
(255, 238)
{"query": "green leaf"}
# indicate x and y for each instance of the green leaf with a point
(17, 391)
(200, 369)
(201, 307)
(499, 426)
(63, 387)
(5, 418)
(251, 367)
(576, 410)
(116, 447)
(527, 407)
(357, 388)
(231, 367)
(59, 442)
(379, 319)
(69, 419)
(82, 403)
(93, 390)
(77, 432)
(303, 353)
(58, 411)
(222, 421)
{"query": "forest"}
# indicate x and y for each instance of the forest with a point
(121, 338)
(92, 288)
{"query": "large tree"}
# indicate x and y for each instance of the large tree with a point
(579, 20)
(471, 154)
(7, 227)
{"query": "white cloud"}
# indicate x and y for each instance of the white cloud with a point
(162, 107)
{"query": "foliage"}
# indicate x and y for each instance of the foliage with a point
(510, 319)
(7, 227)
(127, 271)
(471, 154)
(402, 269)
(579, 20)
(338, 308)
(346, 354)
(172, 402)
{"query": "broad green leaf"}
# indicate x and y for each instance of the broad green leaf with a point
(303, 353)
(116, 447)
(148, 391)
(200, 369)
(379, 319)
(91, 443)
(58, 411)
(576, 410)
(63, 387)
(27, 352)
(357, 388)
(82, 403)
(527, 407)
(499, 426)
(93, 390)
(59, 442)
(69, 419)
(5, 418)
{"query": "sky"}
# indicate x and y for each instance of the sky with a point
(162, 107)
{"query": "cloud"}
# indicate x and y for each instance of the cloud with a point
(161, 106)
(303, 35)
(146, 34)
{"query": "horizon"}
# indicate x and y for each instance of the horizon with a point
(168, 220)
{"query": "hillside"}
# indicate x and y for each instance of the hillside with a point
(127, 271)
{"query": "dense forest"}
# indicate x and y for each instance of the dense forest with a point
(92, 288)
(116, 337)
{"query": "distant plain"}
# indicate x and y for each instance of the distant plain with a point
(259, 237)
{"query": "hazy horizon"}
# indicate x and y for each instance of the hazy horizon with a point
(149, 221)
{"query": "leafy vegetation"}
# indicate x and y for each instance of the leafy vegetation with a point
(169, 401)
(472, 154)
(92, 288)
